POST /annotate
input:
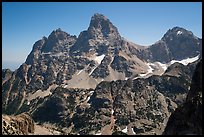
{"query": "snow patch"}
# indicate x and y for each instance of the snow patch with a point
(142, 75)
(133, 131)
(163, 66)
(46, 53)
(186, 61)
(149, 71)
(179, 32)
(79, 72)
(91, 92)
(92, 70)
(112, 111)
(65, 86)
(98, 59)
(76, 51)
(98, 133)
(28, 103)
(88, 99)
(125, 130)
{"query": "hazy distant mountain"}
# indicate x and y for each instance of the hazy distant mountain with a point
(101, 83)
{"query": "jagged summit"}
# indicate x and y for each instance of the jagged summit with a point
(100, 24)
(57, 42)
(182, 43)
(176, 31)
(58, 34)
(101, 32)
(97, 19)
(98, 16)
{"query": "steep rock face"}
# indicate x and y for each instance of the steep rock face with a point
(121, 65)
(58, 41)
(49, 60)
(196, 84)
(162, 54)
(21, 124)
(13, 93)
(187, 119)
(101, 34)
(182, 43)
(47, 64)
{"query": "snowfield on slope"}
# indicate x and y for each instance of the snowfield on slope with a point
(98, 59)
(164, 66)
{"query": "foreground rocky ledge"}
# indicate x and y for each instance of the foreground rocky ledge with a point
(187, 118)
(21, 124)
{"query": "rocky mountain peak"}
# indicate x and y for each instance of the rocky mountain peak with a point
(182, 43)
(98, 16)
(58, 41)
(97, 20)
(58, 34)
(177, 32)
(100, 34)
(101, 26)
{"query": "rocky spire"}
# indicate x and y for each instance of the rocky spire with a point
(100, 26)
(101, 32)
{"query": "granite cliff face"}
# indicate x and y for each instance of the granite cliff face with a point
(187, 118)
(101, 83)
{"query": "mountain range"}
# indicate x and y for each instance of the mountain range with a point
(102, 83)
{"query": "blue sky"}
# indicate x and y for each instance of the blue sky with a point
(143, 23)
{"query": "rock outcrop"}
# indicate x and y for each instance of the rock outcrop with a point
(21, 124)
(187, 118)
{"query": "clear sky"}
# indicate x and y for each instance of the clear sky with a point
(141, 22)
